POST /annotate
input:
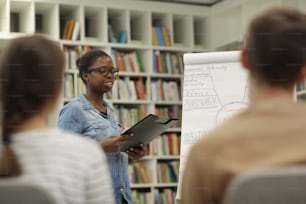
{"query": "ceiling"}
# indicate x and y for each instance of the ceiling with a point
(192, 2)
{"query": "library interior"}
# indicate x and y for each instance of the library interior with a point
(146, 41)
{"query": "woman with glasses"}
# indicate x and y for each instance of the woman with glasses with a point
(93, 117)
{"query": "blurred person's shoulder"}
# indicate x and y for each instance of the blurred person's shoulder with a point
(213, 141)
(74, 141)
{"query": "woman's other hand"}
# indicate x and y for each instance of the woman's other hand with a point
(136, 153)
(113, 143)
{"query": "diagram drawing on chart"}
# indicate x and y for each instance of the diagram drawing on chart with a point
(212, 94)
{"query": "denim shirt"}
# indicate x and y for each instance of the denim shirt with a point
(81, 117)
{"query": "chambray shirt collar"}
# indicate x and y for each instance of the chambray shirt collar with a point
(87, 105)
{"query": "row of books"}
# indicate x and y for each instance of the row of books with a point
(132, 89)
(167, 172)
(126, 88)
(162, 90)
(70, 91)
(128, 116)
(72, 53)
(161, 196)
(161, 36)
(141, 197)
(131, 61)
(129, 89)
(164, 196)
(167, 62)
(127, 61)
(173, 111)
(139, 172)
(167, 144)
(70, 29)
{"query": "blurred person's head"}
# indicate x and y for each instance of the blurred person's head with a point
(275, 48)
(31, 72)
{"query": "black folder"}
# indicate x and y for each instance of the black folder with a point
(146, 130)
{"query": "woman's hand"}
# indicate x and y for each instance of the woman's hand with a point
(135, 153)
(113, 143)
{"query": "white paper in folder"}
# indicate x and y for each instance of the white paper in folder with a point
(215, 88)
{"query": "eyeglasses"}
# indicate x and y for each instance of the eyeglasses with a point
(103, 70)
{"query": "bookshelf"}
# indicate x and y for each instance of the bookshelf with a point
(232, 17)
(151, 76)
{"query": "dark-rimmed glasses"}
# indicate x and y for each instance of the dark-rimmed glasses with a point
(104, 70)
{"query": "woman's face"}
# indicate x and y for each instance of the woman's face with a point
(99, 81)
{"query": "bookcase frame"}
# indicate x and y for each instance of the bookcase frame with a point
(136, 18)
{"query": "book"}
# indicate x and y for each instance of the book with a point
(146, 130)
(166, 36)
(160, 36)
(111, 35)
(69, 30)
(139, 61)
(140, 88)
(122, 37)
(76, 31)
(154, 36)
(120, 61)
